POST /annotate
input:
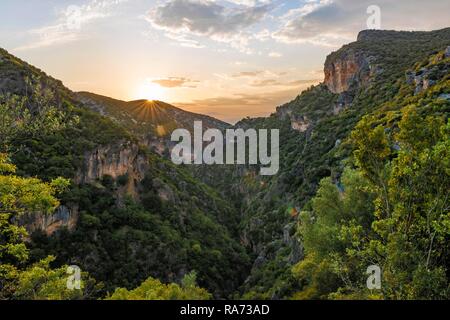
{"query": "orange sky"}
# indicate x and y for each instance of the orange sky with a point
(226, 58)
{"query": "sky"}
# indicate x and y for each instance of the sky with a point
(227, 58)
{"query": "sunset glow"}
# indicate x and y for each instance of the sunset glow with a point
(245, 59)
(151, 92)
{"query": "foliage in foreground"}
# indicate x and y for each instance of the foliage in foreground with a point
(391, 211)
(39, 281)
(153, 289)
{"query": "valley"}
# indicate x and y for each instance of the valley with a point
(339, 199)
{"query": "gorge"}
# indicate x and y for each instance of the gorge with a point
(130, 213)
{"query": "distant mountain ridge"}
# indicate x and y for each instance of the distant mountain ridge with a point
(141, 115)
(152, 122)
(240, 219)
(129, 213)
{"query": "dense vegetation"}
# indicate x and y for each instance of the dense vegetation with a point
(366, 183)
(392, 211)
(172, 226)
(323, 151)
(123, 245)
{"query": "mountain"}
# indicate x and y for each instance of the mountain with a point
(379, 69)
(129, 213)
(347, 147)
(152, 121)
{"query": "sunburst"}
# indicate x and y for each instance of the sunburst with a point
(151, 92)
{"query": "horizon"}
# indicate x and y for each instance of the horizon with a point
(269, 51)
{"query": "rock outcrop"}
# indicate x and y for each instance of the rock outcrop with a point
(63, 217)
(116, 160)
(429, 75)
(347, 70)
(110, 160)
(301, 123)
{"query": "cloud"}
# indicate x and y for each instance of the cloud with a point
(249, 2)
(184, 40)
(334, 22)
(275, 55)
(69, 23)
(208, 19)
(275, 82)
(248, 74)
(238, 106)
(50, 35)
(317, 22)
(176, 82)
(259, 74)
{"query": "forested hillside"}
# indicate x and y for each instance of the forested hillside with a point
(381, 72)
(364, 177)
(128, 214)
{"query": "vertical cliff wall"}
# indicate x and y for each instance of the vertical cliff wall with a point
(347, 70)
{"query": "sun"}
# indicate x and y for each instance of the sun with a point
(151, 91)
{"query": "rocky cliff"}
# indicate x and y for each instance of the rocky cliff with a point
(123, 159)
(354, 65)
(348, 70)
(63, 217)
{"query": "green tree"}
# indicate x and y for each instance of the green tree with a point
(393, 211)
(22, 117)
(334, 232)
(416, 234)
(153, 289)
(39, 281)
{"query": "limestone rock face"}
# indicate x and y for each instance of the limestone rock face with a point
(50, 223)
(347, 71)
(301, 124)
(112, 160)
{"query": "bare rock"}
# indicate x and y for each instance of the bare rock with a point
(348, 70)
(50, 223)
(301, 123)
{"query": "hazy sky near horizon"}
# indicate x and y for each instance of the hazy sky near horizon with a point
(226, 58)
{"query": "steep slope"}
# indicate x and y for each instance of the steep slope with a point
(142, 115)
(360, 78)
(391, 206)
(151, 121)
(129, 213)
